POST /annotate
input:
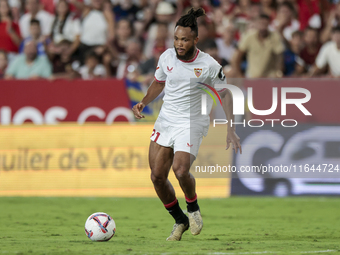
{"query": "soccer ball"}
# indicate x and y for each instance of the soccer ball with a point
(100, 227)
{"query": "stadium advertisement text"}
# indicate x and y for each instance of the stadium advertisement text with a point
(87, 160)
(303, 100)
(277, 102)
(281, 161)
(239, 100)
(51, 102)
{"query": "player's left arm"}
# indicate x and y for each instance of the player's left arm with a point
(227, 104)
(232, 137)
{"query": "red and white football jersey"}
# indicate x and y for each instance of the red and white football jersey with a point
(185, 81)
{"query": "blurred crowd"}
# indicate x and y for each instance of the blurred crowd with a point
(88, 39)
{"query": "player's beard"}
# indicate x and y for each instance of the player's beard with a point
(188, 55)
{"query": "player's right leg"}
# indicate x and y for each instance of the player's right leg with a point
(186, 145)
(181, 166)
(160, 160)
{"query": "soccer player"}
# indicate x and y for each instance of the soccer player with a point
(180, 126)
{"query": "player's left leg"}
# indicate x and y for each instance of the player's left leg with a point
(181, 166)
(160, 159)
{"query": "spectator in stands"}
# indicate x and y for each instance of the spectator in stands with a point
(162, 37)
(296, 43)
(333, 20)
(3, 63)
(329, 55)
(220, 21)
(29, 65)
(255, 10)
(49, 5)
(125, 10)
(66, 27)
(310, 51)
(140, 25)
(268, 7)
(97, 25)
(241, 11)
(264, 52)
(212, 50)
(291, 54)
(227, 7)
(160, 43)
(147, 68)
(9, 30)
(110, 62)
(247, 15)
(35, 34)
(247, 25)
(227, 44)
(130, 63)
(311, 13)
(92, 68)
(153, 21)
(34, 12)
(165, 13)
(293, 2)
(123, 33)
(204, 33)
(285, 23)
(15, 6)
(62, 61)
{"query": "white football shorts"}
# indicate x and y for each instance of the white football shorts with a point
(187, 139)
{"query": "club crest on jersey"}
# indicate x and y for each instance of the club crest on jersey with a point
(198, 72)
(170, 69)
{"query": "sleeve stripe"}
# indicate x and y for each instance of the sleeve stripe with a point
(158, 80)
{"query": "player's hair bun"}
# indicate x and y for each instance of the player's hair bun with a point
(190, 19)
(198, 13)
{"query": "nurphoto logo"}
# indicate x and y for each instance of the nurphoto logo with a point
(239, 103)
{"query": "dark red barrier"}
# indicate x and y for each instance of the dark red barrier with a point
(107, 100)
(53, 101)
(323, 105)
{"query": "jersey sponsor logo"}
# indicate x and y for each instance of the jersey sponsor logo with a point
(198, 72)
(169, 69)
(189, 145)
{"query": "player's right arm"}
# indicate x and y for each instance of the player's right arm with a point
(154, 90)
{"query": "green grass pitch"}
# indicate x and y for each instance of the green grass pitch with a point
(236, 225)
